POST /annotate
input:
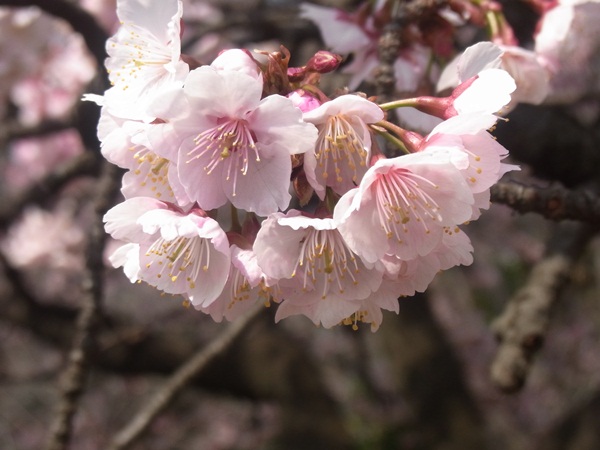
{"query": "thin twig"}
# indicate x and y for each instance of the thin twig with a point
(554, 202)
(521, 328)
(180, 379)
(73, 378)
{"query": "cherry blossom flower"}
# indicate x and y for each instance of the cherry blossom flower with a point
(233, 146)
(246, 286)
(568, 43)
(176, 252)
(530, 77)
(404, 278)
(468, 133)
(318, 275)
(404, 203)
(125, 143)
(144, 55)
(343, 147)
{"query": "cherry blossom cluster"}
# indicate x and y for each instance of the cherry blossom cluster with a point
(245, 183)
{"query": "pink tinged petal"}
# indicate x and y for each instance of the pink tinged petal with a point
(338, 31)
(222, 93)
(277, 121)
(238, 60)
(532, 78)
(485, 154)
(359, 224)
(275, 247)
(128, 257)
(259, 186)
(410, 199)
(329, 313)
(210, 165)
(477, 58)
(349, 104)
(482, 201)
(244, 288)
(471, 123)
(170, 104)
(121, 221)
(144, 55)
(149, 179)
(341, 154)
(194, 262)
(152, 16)
(164, 139)
(343, 146)
(149, 32)
(312, 252)
(455, 249)
(489, 93)
(409, 276)
(362, 67)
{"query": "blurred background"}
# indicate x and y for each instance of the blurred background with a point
(423, 381)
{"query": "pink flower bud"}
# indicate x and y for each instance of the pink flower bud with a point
(323, 62)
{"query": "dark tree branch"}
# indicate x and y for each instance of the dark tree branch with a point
(15, 129)
(180, 379)
(521, 328)
(555, 202)
(74, 376)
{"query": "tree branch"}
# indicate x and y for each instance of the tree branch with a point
(74, 376)
(555, 202)
(180, 379)
(521, 328)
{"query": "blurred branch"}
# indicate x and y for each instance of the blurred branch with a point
(555, 202)
(310, 416)
(74, 375)
(84, 164)
(389, 45)
(521, 327)
(15, 129)
(180, 379)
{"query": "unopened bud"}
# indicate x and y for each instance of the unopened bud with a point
(323, 62)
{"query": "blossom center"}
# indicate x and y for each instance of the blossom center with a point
(153, 171)
(230, 145)
(401, 197)
(326, 261)
(340, 150)
(180, 257)
(140, 50)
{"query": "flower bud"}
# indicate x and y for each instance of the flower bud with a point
(323, 62)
